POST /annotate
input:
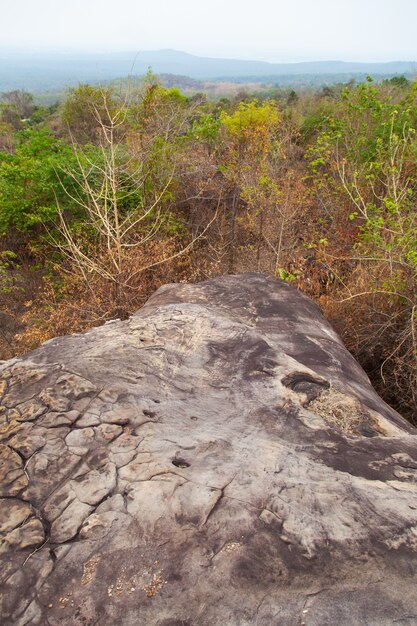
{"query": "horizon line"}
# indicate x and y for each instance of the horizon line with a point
(101, 52)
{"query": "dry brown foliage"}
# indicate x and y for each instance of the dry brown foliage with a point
(63, 305)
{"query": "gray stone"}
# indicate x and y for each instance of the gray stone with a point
(13, 513)
(66, 526)
(92, 487)
(29, 535)
(12, 474)
(218, 459)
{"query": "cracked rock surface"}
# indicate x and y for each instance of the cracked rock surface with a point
(217, 459)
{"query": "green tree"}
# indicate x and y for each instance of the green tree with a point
(29, 181)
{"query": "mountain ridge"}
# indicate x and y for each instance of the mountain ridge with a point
(19, 69)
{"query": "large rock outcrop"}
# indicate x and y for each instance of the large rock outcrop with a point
(217, 459)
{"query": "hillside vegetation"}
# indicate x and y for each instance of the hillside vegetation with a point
(115, 192)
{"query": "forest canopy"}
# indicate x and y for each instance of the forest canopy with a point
(118, 190)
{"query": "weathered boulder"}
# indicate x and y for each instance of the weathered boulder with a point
(217, 459)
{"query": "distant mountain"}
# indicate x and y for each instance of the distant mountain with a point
(51, 71)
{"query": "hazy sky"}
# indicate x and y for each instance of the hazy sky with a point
(274, 30)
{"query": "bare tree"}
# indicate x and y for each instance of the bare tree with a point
(122, 213)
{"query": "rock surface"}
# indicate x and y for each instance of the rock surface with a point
(217, 459)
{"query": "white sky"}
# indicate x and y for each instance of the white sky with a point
(273, 30)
